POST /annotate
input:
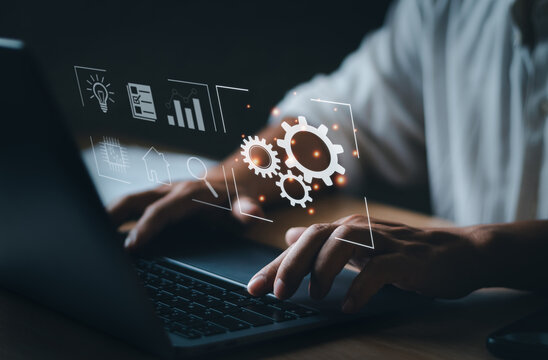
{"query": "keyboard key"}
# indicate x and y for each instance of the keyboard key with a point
(230, 323)
(227, 308)
(271, 313)
(180, 316)
(239, 300)
(268, 300)
(285, 305)
(210, 314)
(252, 318)
(186, 332)
(210, 329)
(208, 301)
(303, 312)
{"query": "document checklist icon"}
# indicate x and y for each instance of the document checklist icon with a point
(141, 102)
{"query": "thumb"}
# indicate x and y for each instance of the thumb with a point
(248, 206)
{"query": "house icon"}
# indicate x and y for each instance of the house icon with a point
(157, 167)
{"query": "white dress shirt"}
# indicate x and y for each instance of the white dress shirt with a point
(445, 92)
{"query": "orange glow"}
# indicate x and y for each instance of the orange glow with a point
(316, 187)
(256, 161)
(261, 198)
(341, 180)
(290, 179)
(335, 126)
(236, 159)
(275, 111)
(292, 141)
(248, 106)
(275, 138)
(316, 154)
(243, 136)
(311, 211)
(355, 153)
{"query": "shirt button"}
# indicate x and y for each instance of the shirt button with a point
(543, 107)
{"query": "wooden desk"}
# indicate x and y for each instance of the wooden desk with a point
(448, 330)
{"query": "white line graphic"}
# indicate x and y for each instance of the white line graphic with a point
(351, 118)
(227, 192)
(78, 80)
(208, 95)
(372, 246)
(219, 100)
(240, 206)
(97, 165)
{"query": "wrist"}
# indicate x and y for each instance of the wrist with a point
(483, 238)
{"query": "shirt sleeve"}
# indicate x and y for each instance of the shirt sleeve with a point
(381, 84)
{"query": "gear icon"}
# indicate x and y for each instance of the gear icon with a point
(288, 177)
(321, 132)
(273, 165)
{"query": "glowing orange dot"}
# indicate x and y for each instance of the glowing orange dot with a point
(275, 111)
(236, 159)
(256, 161)
(355, 153)
(290, 180)
(261, 198)
(292, 141)
(243, 136)
(341, 180)
(275, 138)
(316, 153)
(335, 126)
(311, 211)
(335, 109)
(248, 106)
(315, 186)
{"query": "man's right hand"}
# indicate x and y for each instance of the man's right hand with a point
(155, 209)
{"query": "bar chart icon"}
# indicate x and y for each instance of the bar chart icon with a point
(188, 110)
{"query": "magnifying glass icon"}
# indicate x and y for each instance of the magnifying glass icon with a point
(195, 160)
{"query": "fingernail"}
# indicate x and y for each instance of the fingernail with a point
(130, 239)
(348, 306)
(257, 284)
(279, 288)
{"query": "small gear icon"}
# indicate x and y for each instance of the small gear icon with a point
(306, 197)
(321, 132)
(273, 165)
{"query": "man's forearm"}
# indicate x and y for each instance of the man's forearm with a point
(515, 254)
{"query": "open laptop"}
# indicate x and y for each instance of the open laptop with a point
(59, 248)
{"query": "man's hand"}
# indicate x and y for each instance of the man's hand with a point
(434, 262)
(165, 205)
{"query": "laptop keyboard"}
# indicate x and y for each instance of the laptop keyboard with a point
(193, 305)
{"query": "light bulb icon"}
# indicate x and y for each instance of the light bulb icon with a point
(100, 91)
(101, 94)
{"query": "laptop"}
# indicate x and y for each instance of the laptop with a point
(59, 248)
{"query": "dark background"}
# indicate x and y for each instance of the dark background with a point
(267, 47)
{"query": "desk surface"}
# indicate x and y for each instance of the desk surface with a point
(448, 330)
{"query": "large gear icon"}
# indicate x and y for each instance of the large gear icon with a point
(289, 176)
(272, 167)
(321, 132)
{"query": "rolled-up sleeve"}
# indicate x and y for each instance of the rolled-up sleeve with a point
(381, 81)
